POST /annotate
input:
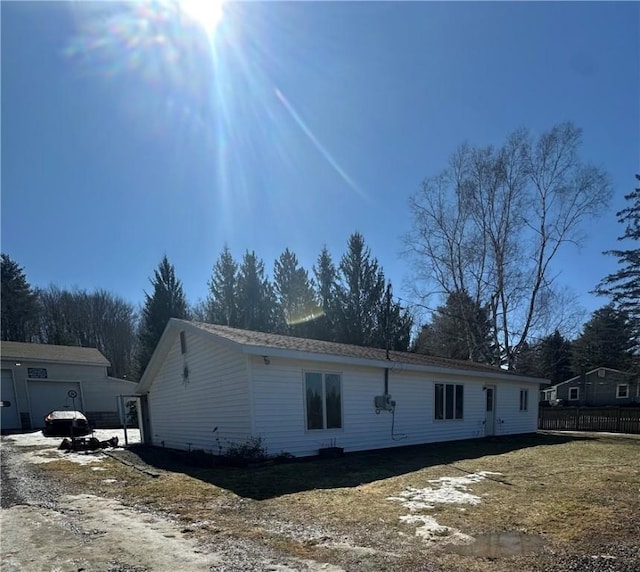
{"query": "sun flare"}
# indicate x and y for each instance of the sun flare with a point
(206, 13)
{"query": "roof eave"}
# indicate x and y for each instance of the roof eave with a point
(377, 363)
(105, 363)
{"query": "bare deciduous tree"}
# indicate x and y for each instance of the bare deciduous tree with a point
(492, 222)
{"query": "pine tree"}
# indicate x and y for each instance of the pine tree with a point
(624, 285)
(256, 297)
(324, 327)
(360, 294)
(221, 304)
(395, 324)
(296, 300)
(555, 358)
(19, 303)
(167, 301)
(459, 329)
(607, 340)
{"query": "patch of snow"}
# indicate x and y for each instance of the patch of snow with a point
(451, 490)
(432, 531)
(109, 481)
(98, 469)
(48, 446)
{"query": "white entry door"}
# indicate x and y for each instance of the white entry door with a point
(9, 412)
(490, 415)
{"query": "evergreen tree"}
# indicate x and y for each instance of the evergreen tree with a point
(167, 301)
(624, 285)
(360, 294)
(555, 357)
(296, 299)
(19, 303)
(528, 360)
(324, 327)
(222, 304)
(395, 324)
(550, 358)
(460, 329)
(256, 297)
(607, 340)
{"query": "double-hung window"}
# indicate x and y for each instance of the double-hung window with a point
(448, 401)
(622, 390)
(323, 396)
(524, 400)
(574, 393)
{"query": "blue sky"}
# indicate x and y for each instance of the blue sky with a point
(127, 133)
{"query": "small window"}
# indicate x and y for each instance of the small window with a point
(574, 393)
(183, 343)
(622, 391)
(448, 401)
(601, 373)
(524, 400)
(323, 392)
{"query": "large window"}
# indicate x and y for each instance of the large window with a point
(574, 393)
(323, 393)
(524, 399)
(449, 401)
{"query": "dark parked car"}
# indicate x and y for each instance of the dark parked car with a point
(66, 424)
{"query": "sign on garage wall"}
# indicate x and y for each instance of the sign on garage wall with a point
(37, 372)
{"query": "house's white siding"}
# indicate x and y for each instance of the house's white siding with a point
(509, 418)
(279, 408)
(184, 413)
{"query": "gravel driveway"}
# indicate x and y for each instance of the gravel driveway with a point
(48, 528)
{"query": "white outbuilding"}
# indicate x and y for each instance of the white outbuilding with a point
(208, 387)
(39, 378)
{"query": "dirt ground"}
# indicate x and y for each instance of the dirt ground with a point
(47, 527)
(545, 503)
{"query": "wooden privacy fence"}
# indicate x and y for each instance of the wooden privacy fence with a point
(612, 419)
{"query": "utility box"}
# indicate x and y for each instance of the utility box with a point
(383, 402)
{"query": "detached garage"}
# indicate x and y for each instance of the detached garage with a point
(39, 378)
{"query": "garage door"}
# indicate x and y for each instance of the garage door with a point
(46, 396)
(10, 415)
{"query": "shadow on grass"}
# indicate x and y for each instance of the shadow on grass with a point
(265, 482)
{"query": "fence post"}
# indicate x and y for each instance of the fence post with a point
(577, 418)
(618, 419)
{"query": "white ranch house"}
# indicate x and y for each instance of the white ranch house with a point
(37, 379)
(208, 386)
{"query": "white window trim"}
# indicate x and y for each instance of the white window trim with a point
(444, 402)
(524, 392)
(577, 397)
(324, 402)
(618, 396)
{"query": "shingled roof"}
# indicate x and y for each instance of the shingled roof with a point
(50, 353)
(263, 340)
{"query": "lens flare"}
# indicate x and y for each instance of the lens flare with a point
(206, 13)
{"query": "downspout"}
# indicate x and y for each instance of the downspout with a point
(386, 380)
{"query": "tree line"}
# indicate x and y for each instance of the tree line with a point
(485, 232)
(349, 301)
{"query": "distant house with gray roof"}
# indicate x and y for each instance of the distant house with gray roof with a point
(599, 387)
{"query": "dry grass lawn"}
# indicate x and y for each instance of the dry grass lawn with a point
(581, 495)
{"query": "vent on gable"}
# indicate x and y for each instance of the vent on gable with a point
(183, 342)
(601, 373)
